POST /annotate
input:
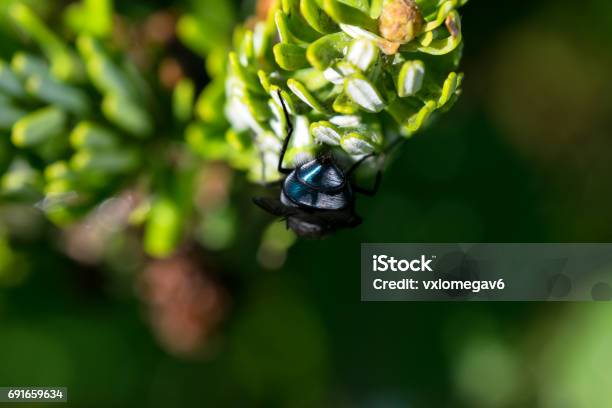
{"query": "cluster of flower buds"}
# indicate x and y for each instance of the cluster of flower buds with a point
(354, 75)
(75, 117)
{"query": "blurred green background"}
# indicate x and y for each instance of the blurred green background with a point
(525, 156)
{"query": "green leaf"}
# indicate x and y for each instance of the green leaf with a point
(9, 115)
(182, 99)
(210, 100)
(364, 93)
(326, 133)
(207, 141)
(290, 57)
(243, 77)
(240, 141)
(415, 122)
(64, 64)
(337, 72)
(26, 65)
(57, 170)
(296, 23)
(108, 161)
(305, 96)
(163, 229)
(94, 17)
(376, 7)
(286, 99)
(126, 114)
(346, 121)
(355, 143)
(363, 54)
(432, 44)
(284, 32)
(410, 79)
(90, 136)
(21, 179)
(443, 12)
(316, 17)
(448, 89)
(454, 96)
(10, 84)
(264, 80)
(207, 27)
(38, 127)
(358, 32)
(326, 50)
(341, 13)
(345, 105)
(67, 97)
(106, 76)
(313, 79)
(361, 5)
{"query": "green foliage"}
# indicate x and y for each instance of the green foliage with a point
(93, 17)
(84, 122)
(164, 228)
(74, 114)
(81, 121)
(207, 26)
(345, 85)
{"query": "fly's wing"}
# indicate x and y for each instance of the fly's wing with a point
(321, 224)
(307, 224)
(307, 229)
(340, 219)
(330, 220)
(274, 206)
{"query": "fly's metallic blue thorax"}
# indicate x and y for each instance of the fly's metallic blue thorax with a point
(319, 185)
